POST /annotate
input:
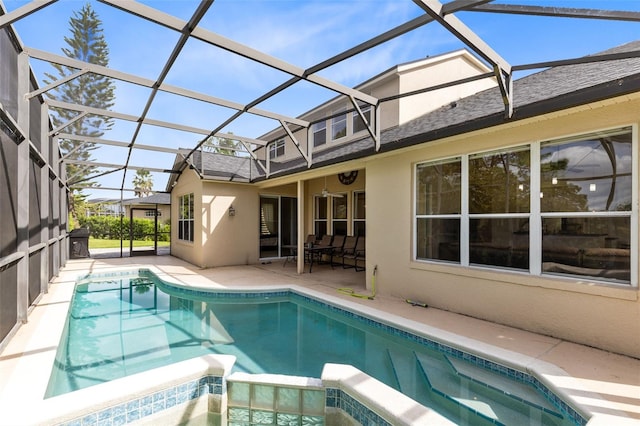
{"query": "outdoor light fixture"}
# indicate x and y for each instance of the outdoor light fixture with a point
(554, 181)
(232, 211)
(592, 187)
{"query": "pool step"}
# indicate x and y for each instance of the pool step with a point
(517, 390)
(492, 403)
(406, 372)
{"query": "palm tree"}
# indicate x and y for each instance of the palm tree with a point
(142, 183)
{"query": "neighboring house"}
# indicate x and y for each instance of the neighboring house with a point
(148, 207)
(529, 220)
(104, 207)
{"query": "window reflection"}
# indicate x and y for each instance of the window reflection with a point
(499, 242)
(438, 188)
(438, 239)
(499, 182)
(593, 246)
(593, 174)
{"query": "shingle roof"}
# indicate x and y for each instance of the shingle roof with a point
(550, 90)
(161, 198)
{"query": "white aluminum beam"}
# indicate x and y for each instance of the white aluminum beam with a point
(105, 188)
(375, 135)
(502, 69)
(22, 186)
(56, 83)
(295, 142)
(73, 120)
(214, 39)
(115, 166)
(145, 82)
(21, 12)
(100, 141)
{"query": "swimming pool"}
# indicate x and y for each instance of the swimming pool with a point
(123, 324)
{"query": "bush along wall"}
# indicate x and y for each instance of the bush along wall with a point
(109, 227)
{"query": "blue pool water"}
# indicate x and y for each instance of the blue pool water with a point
(121, 325)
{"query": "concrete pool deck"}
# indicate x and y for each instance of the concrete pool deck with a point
(604, 384)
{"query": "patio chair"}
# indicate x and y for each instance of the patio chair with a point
(336, 246)
(348, 246)
(355, 255)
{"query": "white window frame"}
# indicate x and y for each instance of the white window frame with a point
(336, 121)
(152, 213)
(354, 209)
(315, 129)
(334, 220)
(276, 149)
(189, 201)
(316, 209)
(535, 214)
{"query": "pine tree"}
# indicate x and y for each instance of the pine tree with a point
(224, 146)
(142, 183)
(87, 44)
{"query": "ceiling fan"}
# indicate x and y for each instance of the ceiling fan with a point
(326, 193)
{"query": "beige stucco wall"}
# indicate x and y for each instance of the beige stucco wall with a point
(596, 314)
(220, 239)
(189, 182)
(446, 68)
(229, 240)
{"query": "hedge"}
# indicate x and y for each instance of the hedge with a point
(108, 227)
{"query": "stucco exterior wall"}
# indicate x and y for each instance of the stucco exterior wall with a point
(595, 314)
(189, 182)
(229, 240)
(455, 66)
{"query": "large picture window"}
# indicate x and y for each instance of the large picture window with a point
(479, 209)
(499, 200)
(438, 210)
(185, 217)
(586, 198)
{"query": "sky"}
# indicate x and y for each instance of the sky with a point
(299, 32)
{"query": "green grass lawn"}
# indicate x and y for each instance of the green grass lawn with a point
(98, 244)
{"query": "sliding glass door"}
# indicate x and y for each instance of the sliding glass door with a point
(278, 226)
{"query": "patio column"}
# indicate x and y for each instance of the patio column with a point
(301, 222)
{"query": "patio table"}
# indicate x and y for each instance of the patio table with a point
(313, 251)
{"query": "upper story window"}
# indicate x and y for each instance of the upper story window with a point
(276, 149)
(339, 127)
(358, 124)
(186, 217)
(579, 222)
(319, 133)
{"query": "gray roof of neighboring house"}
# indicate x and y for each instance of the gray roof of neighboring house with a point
(547, 91)
(160, 198)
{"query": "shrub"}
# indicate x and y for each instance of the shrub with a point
(115, 228)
